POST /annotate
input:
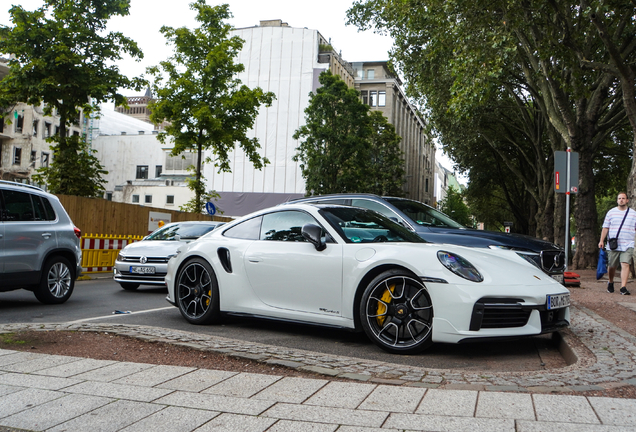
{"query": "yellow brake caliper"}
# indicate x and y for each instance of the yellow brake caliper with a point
(386, 298)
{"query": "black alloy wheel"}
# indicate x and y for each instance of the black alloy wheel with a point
(396, 313)
(197, 292)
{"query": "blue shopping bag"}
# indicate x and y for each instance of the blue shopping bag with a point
(601, 267)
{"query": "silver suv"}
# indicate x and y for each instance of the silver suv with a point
(39, 245)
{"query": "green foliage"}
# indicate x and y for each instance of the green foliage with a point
(74, 171)
(198, 187)
(64, 58)
(206, 106)
(525, 77)
(386, 164)
(345, 148)
(453, 205)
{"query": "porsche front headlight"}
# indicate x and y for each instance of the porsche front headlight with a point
(459, 266)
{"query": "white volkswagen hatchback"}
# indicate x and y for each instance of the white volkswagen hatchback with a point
(145, 262)
(353, 268)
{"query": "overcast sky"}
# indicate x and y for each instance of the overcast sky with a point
(147, 16)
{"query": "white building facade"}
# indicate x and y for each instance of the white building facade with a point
(283, 60)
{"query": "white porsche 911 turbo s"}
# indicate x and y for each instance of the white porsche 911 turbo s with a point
(353, 268)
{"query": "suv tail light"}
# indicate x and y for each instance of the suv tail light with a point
(78, 232)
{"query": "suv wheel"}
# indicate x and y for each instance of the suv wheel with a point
(57, 283)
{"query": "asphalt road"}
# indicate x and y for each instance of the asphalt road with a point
(97, 301)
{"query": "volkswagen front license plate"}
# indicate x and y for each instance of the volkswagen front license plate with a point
(142, 270)
(558, 301)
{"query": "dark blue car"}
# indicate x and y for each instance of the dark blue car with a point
(434, 226)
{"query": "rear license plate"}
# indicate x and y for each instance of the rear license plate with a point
(558, 301)
(142, 270)
(558, 278)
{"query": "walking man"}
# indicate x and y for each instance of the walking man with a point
(620, 223)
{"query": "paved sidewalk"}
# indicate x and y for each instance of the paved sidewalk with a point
(58, 393)
(41, 392)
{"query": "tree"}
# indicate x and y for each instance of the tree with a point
(203, 101)
(453, 205)
(76, 173)
(64, 58)
(528, 47)
(386, 164)
(345, 148)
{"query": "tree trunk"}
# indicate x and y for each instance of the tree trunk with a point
(631, 180)
(585, 214)
(197, 189)
(545, 224)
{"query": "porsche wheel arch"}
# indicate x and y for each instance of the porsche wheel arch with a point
(364, 282)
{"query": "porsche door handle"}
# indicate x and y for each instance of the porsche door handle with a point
(46, 235)
(254, 259)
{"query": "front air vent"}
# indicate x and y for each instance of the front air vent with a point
(499, 313)
(224, 257)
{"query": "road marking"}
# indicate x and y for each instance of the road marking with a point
(119, 315)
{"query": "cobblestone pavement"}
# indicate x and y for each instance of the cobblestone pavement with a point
(601, 356)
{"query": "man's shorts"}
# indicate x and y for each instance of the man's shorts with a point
(614, 258)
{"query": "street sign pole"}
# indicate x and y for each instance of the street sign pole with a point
(566, 170)
(567, 209)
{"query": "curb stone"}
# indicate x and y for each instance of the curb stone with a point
(601, 357)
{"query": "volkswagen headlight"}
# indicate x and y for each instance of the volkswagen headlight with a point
(459, 266)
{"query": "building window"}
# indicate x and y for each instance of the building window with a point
(381, 98)
(148, 199)
(57, 130)
(135, 199)
(1, 124)
(142, 172)
(371, 74)
(47, 130)
(170, 199)
(34, 156)
(180, 162)
(44, 160)
(19, 123)
(373, 98)
(35, 128)
(0, 153)
(17, 156)
(109, 196)
(365, 97)
(426, 187)
(157, 170)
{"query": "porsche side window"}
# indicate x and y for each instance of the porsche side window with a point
(248, 230)
(375, 206)
(285, 226)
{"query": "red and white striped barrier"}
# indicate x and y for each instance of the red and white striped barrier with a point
(99, 252)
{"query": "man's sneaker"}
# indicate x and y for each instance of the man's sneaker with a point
(610, 287)
(624, 291)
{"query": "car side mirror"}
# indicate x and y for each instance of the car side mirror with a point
(313, 234)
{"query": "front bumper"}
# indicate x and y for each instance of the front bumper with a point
(122, 274)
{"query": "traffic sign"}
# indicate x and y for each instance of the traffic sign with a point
(561, 172)
(209, 207)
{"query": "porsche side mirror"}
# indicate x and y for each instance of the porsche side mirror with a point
(313, 233)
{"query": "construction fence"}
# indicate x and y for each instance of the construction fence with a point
(112, 226)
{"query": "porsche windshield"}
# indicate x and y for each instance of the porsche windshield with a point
(423, 214)
(357, 225)
(184, 231)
